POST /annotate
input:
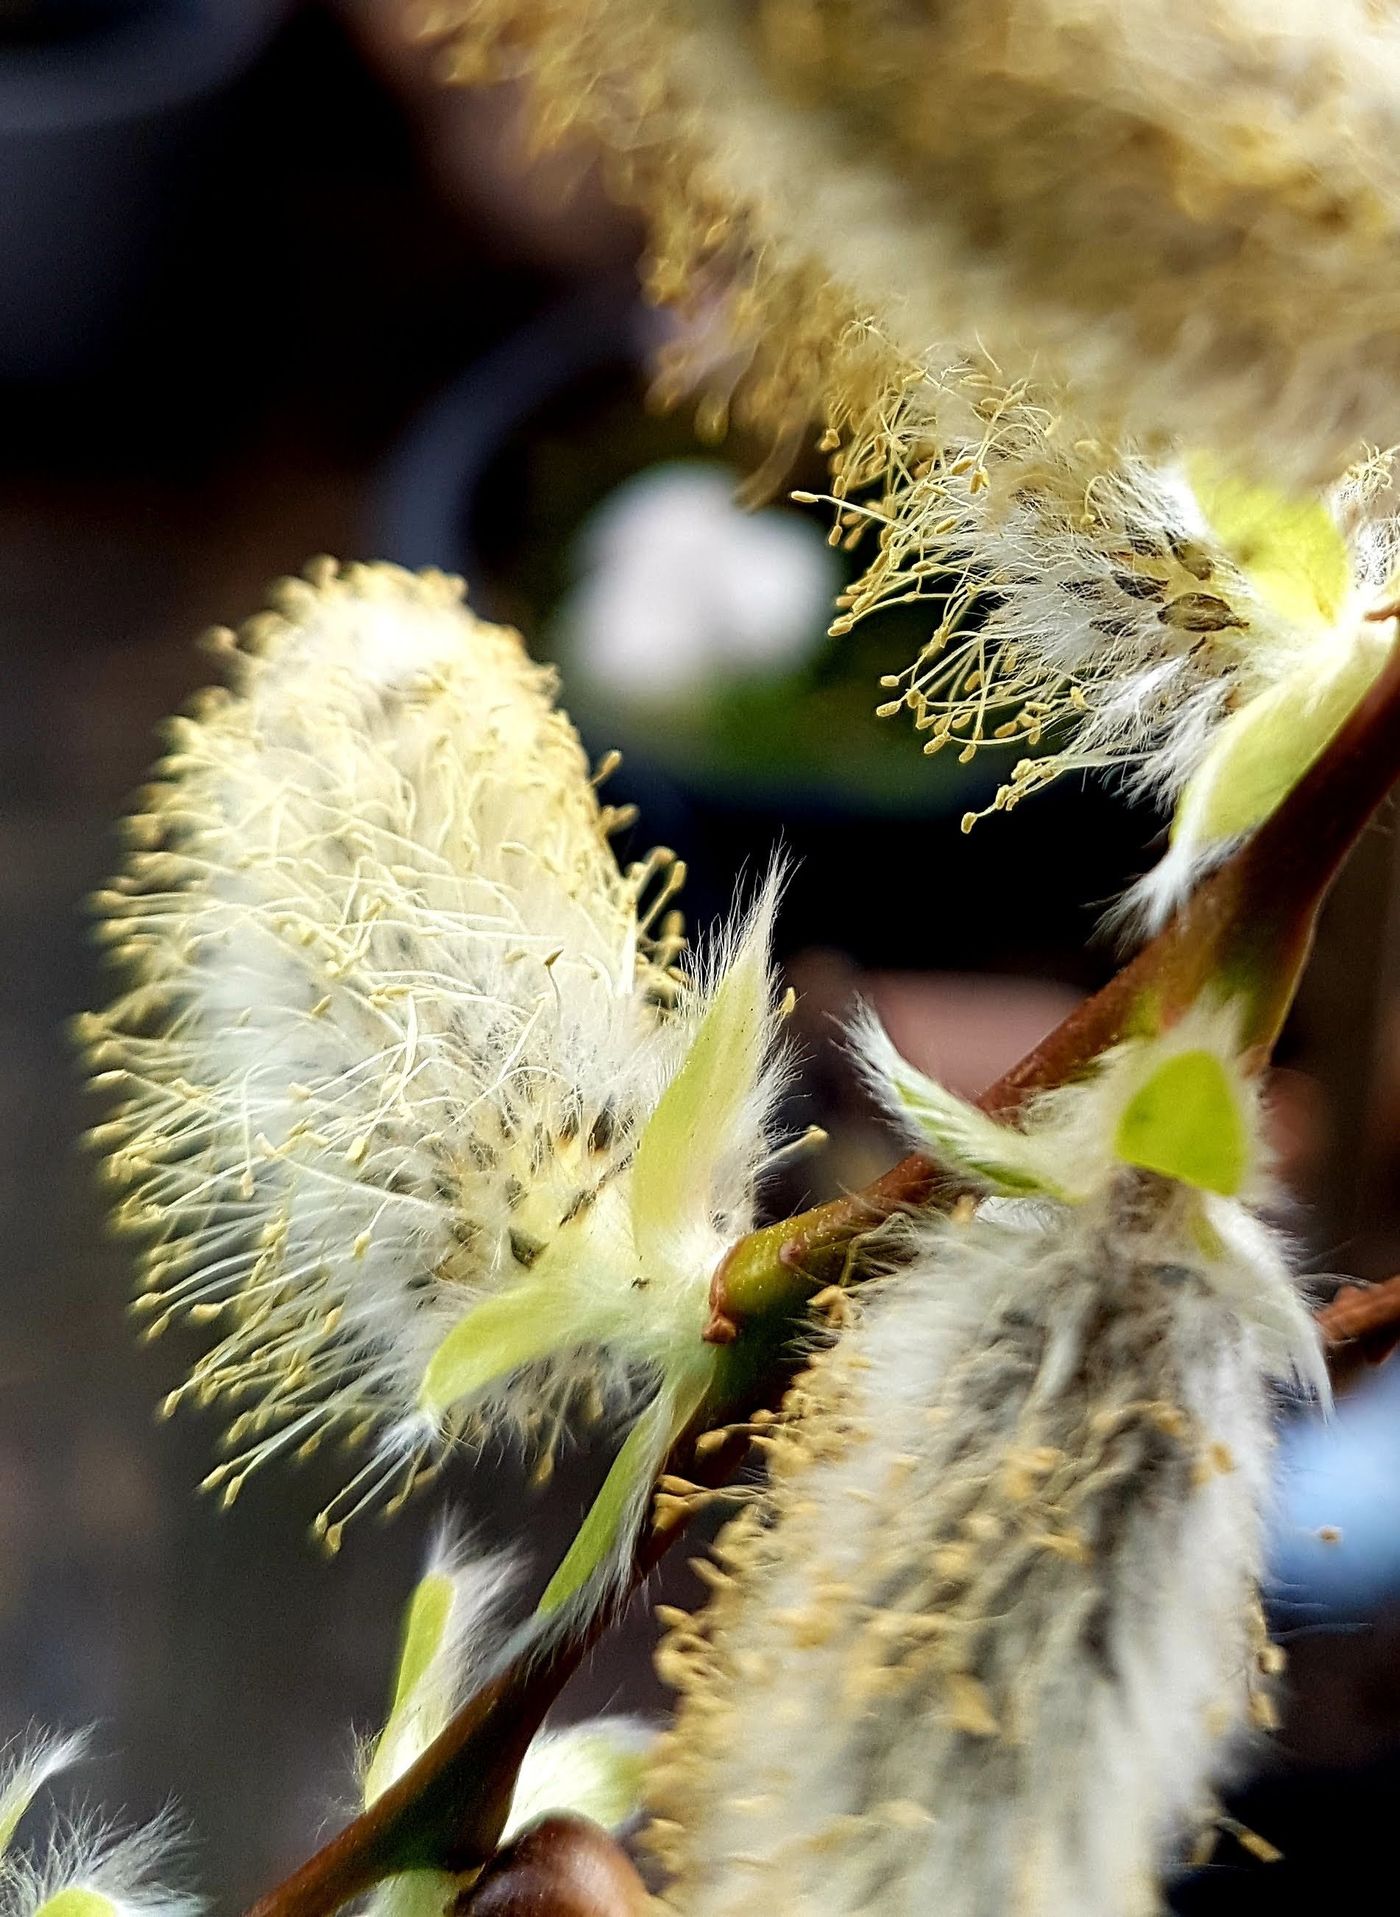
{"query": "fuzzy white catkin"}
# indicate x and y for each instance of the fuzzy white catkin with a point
(396, 1028)
(995, 1629)
(1196, 637)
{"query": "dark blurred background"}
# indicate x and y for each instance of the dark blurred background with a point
(267, 291)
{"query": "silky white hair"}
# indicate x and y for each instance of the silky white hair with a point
(397, 1026)
(995, 1630)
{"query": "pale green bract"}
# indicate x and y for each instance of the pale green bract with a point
(24, 1770)
(594, 1769)
(997, 1157)
(76, 1900)
(614, 1512)
(1185, 1123)
(1178, 1103)
(496, 1337)
(1264, 749)
(427, 1622)
(454, 1626)
(415, 1893)
(1290, 549)
(1317, 630)
(425, 1628)
(703, 1107)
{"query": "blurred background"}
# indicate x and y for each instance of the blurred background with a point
(266, 291)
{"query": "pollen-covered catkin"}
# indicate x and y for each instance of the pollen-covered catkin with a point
(916, 223)
(1124, 199)
(1196, 636)
(995, 1629)
(396, 1031)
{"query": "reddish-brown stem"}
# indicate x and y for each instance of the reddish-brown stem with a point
(1361, 1327)
(1245, 930)
(1362, 1314)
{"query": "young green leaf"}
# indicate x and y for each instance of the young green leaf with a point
(1263, 749)
(699, 1113)
(1185, 1122)
(1289, 548)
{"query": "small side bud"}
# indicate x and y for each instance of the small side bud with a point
(565, 1867)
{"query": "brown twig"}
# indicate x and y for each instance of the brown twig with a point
(1361, 1327)
(1246, 930)
(1363, 1314)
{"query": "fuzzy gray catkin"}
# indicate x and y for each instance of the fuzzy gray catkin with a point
(995, 1628)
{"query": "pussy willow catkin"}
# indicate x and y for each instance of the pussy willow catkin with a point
(1026, 261)
(994, 1629)
(1115, 196)
(1199, 637)
(415, 1104)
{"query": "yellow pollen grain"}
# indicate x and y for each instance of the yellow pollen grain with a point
(971, 1706)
